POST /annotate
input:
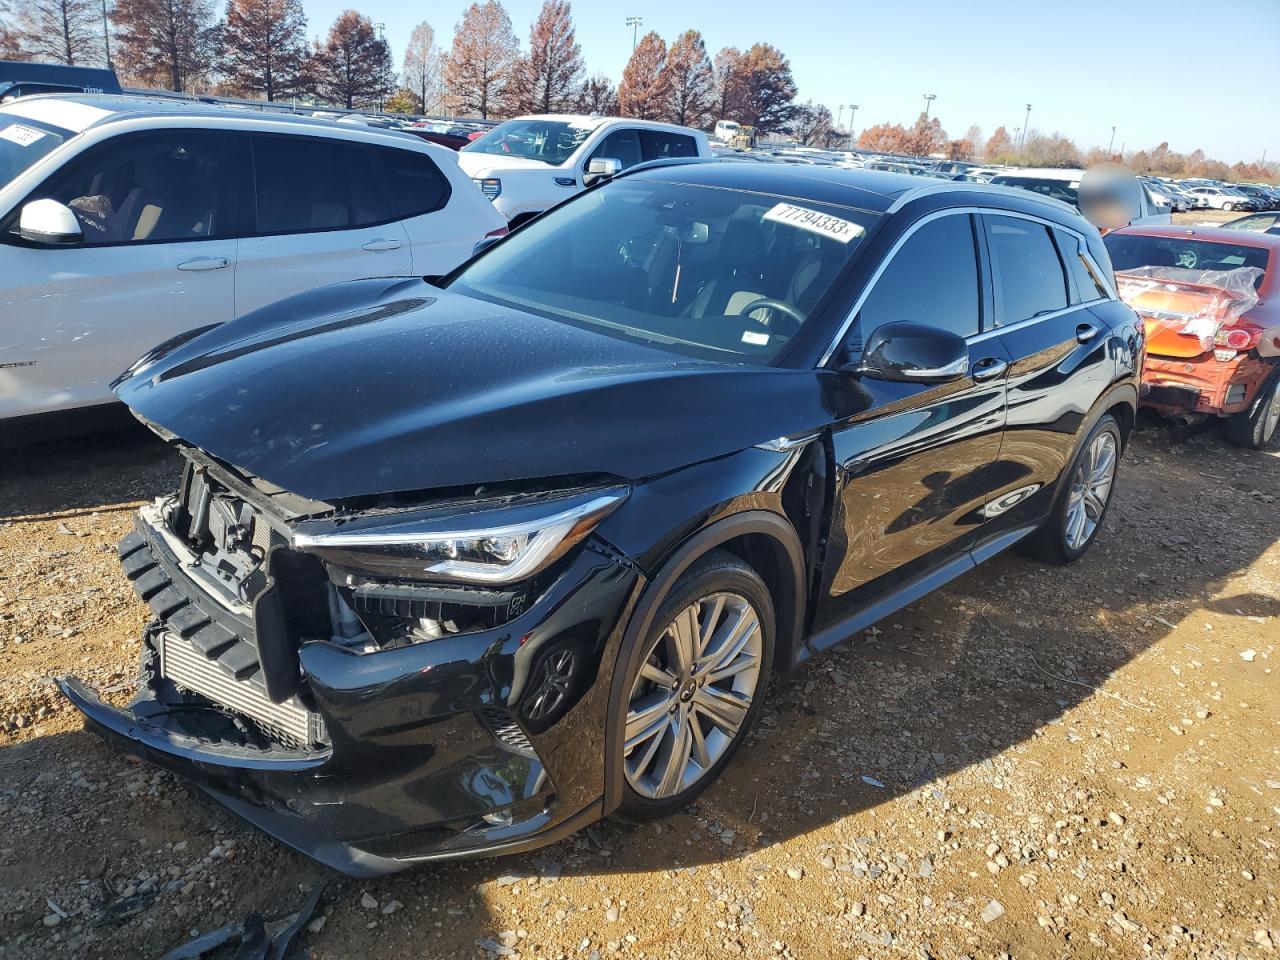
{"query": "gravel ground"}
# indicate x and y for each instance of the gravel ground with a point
(1034, 762)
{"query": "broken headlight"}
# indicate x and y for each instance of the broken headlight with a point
(488, 543)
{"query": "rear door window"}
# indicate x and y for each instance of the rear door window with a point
(414, 182)
(301, 184)
(1029, 277)
(664, 144)
(1086, 286)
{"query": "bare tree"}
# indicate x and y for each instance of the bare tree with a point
(729, 67)
(690, 81)
(549, 79)
(64, 31)
(768, 89)
(264, 47)
(811, 124)
(484, 54)
(422, 66)
(643, 91)
(598, 96)
(352, 68)
(165, 42)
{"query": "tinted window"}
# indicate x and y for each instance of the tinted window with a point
(301, 184)
(22, 143)
(147, 188)
(1028, 273)
(369, 203)
(661, 145)
(414, 182)
(1086, 286)
(933, 279)
(622, 145)
(689, 269)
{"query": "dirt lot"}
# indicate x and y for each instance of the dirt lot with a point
(1034, 762)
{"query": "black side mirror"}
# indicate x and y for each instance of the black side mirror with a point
(913, 353)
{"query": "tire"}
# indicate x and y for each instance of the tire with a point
(674, 713)
(1059, 540)
(1254, 428)
(1229, 207)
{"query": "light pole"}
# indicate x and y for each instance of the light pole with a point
(106, 34)
(928, 99)
(634, 23)
(839, 114)
(853, 108)
(1111, 143)
(1026, 125)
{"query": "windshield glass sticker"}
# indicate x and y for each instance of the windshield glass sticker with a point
(755, 339)
(822, 223)
(22, 136)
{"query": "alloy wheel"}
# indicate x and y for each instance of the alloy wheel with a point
(692, 695)
(1091, 485)
(1272, 417)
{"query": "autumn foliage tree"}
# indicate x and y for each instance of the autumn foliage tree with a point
(811, 124)
(482, 59)
(926, 136)
(264, 47)
(549, 78)
(423, 63)
(598, 95)
(64, 31)
(643, 91)
(690, 81)
(884, 138)
(170, 43)
(998, 144)
(352, 68)
(729, 67)
(768, 90)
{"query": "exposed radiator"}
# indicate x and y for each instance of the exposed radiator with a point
(186, 666)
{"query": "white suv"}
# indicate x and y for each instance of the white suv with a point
(529, 164)
(1221, 198)
(125, 221)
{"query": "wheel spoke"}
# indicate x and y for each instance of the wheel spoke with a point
(736, 639)
(656, 675)
(710, 622)
(639, 764)
(732, 669)
(723, 709)
(701, 755)
(677, 758)
(683, 634)
(644, 721)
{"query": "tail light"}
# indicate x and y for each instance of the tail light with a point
(1229, 341)
(500, 232)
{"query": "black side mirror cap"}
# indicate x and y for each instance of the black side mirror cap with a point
(913, 353)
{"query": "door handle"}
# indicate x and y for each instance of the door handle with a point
(205, 263)
(989, 369)
(1086, 332)
(379, 245)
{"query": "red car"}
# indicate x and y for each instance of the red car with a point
(1211, 301)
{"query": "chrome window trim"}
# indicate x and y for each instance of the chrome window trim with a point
(937, 215)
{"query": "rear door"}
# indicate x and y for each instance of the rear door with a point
(1044, 285)
(442, 229)
(157, 215)
(320, 215)
(914, 472)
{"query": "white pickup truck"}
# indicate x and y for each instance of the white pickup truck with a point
(531, 163)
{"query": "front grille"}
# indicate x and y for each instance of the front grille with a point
(184, 665)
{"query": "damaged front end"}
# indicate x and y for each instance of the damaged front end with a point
(376, 686)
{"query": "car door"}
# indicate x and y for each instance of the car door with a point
(157, 213)
(914, 471)
(441, 234)
(320, 215)
(1044, 284)
(621, 144)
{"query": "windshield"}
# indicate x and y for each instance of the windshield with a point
(1258, 222)
(551, 141)
(708, 272)
(1058, 189)
(23, 142)
(1132, 252)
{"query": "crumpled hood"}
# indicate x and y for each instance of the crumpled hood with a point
(381, 386)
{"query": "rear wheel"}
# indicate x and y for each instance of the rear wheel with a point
(1254, 428)
(1082, 505)
(697, 687)
(1228, 207)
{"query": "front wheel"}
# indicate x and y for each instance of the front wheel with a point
(1254, 428)
(1082, 505)
(697, 685)
(1228, 207)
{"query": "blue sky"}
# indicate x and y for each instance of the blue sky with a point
(1141, 65)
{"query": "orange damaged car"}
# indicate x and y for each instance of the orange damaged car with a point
(1210, 299)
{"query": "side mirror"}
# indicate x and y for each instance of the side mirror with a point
(49, 223)
(601, 168)
(484, 245)
(914, 353)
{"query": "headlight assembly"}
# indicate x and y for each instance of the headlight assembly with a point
(489, 544)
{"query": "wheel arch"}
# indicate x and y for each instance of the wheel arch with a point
(765, 541)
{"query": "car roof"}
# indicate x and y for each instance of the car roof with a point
(1240, 238)
(82, 111)
(594, 121)
(1044, 173)
(866, 189)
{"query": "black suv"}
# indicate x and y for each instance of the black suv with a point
(457, 567)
